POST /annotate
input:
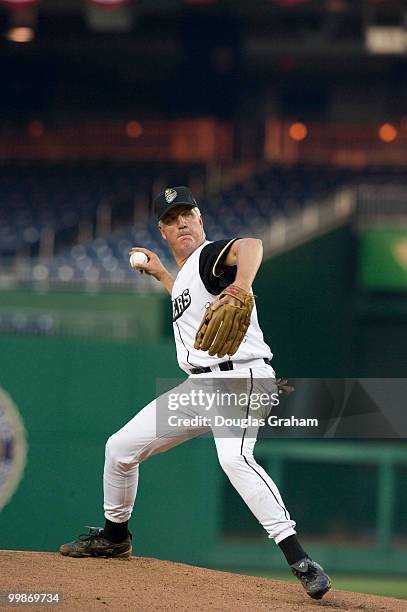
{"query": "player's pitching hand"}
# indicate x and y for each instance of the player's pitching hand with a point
(153, 266)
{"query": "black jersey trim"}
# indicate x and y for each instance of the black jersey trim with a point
(180, 337)
(211, 260)
(194, 365)
(225, 248)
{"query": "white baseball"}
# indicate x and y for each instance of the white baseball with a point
(138, 258)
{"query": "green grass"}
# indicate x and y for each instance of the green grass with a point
(390, 586)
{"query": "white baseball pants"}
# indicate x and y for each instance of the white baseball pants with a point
(142, 437)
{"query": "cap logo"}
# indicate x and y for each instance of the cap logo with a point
(170, 195)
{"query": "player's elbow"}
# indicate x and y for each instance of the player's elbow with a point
(243, 248)
(255, 245)
(259, 244)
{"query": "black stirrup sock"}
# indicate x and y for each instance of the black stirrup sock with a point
(115, 532)
(292, 549)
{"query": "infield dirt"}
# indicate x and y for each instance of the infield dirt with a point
(144, 584)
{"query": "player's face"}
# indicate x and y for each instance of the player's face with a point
(183, 229)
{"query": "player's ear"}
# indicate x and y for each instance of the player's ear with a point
(199, 215)
(202, 226)
(162, 232)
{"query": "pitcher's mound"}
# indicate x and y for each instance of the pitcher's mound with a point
(150, 584)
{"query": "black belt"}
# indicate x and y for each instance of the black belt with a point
(224, 366)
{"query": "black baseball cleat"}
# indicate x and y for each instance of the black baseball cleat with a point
(312, 577)
(94, 544)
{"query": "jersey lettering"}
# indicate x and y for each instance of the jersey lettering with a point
(180, 304)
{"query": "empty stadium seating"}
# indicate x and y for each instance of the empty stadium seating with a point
(66, 198)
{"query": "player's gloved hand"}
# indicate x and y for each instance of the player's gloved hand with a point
(225, 322)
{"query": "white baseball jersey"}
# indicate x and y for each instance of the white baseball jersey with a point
(201, 278)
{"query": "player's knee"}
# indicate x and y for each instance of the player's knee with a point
(119, 451)
(230, 461)
(112, 447)
(115, 449)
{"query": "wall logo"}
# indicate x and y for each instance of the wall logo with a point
(13, 448)
(399, 249)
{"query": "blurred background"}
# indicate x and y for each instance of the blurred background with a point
(288, 119)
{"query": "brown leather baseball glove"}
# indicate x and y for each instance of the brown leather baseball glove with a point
(225, 322)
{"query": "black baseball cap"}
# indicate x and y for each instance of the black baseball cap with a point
(172, 197)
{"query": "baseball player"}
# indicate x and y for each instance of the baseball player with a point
(219, 344)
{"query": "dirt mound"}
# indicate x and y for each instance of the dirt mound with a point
(150, 584)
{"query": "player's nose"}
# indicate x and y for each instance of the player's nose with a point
(181, 221)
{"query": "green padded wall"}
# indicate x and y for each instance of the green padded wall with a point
(72, 395)
(306, 307)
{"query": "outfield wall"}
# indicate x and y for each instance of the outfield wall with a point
(73, 394)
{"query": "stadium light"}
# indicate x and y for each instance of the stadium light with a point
(386, 39)
(387, 132)
(22, 20)
(298, 131)
(134, 129)
(20, 34)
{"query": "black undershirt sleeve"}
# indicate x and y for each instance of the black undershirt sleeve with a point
(214, 275)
